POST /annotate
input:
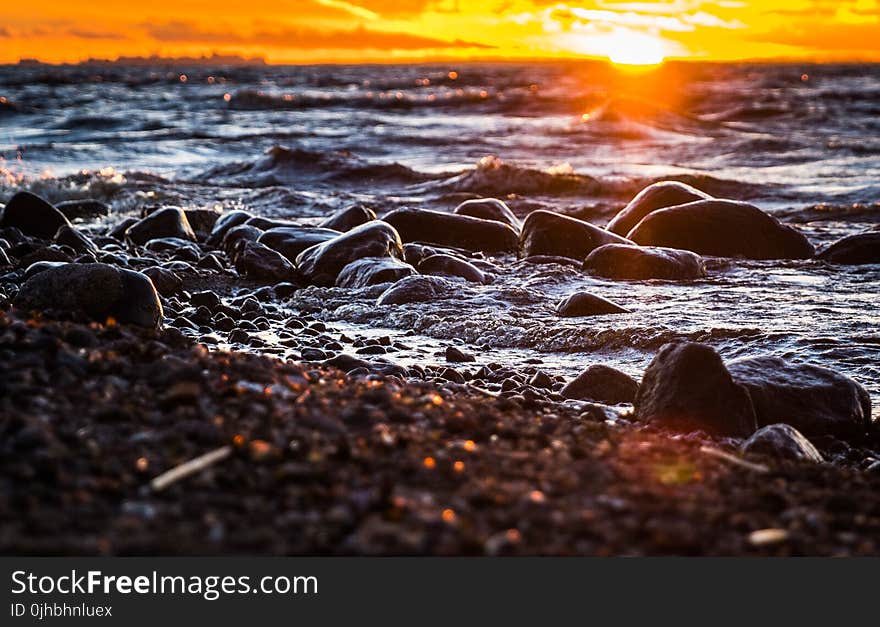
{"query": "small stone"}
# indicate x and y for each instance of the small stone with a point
(455, 355)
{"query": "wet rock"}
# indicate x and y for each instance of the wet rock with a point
(118, 231)
(322, 263)
(97, 290)
(447, 229)
(722, 228)
(622, 261)
(239, 234)
(210, 262)
(264, 224)
(489, 209)
(261, 263)
(32, 215)
(541, 380)
(45, 253)
(39, 266)
(83, 209)
(174, 245)
(553, 234)
(687, 387)
(782, 441)
(373, 271)
(414, 253)
(447, 265)
(226, 222)
(347, 219)
(812, 399)
(416, 289)
(291, 241)
(167, 222)
(167, 282)
(202, 221)
(862, 248)
(545, 259)
(585, 304)
(206, 298)
(656, 196)
(602, 384)
(69, 236)
(456, 355)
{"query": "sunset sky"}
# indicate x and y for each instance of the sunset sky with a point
(387, 30)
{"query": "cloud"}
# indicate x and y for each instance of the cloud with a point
(856, 38)
(5, 32)
(89, 34)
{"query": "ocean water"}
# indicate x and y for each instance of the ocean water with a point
(800, 141)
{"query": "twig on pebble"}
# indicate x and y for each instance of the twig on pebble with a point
(190, 467)
(733, 459)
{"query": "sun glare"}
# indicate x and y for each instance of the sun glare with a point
(635, 49)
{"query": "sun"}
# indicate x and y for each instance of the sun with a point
(634, 49)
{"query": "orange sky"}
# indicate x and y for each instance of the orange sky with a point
(385, 30)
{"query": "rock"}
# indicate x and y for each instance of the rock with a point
(552, 234)
(167, 222)
(39, 266)
(455, 355)
(623, 261)
(372, 271)
(489, 209)
(655, 196)
(416, 289)
(722, 228)
(541, 380)
(782, 441)
(687, 387)
(290, 241)
(206, 298)
(118, 231)
(174, 245)
(202, 221)
(812, 399)
(226, 222)
(166, 282)
(68, 235)
(322, 263)
(447, 229)
(602, 384)
(261, 263)
(414, 253)
(33, 216)
(585, 304)
(86, 208)
(264, 224)
(240, 233)
(97, 290)
(862, 248)
(447, 265)
(347, 219)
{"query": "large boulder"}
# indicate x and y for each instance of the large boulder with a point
(582, 304)
(687, 387)
(448, 229)
(545, 233)
(322, 263)
(602, 384)
(624, 261)
(451, 266)
(489, 209)
(96, 290)
(226, 222)
(33, 216)
(722, 228)
(862, 248)
(373, 271)
(781, 441)
(347, 219)
(655, 196)
(812, 399)
(290, 241)
(417, 289)
(167, 222)
(260, 263)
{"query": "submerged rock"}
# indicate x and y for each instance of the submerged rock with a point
(582, 304)
(624, 261)
(70, 236)
(32, 215)
(226, 222)
(447, 229)
(862, 248)
(167, 222)
(96, 290)
(602, 384)
(448, 265)
(722, 228)
(489, 209)
(347, 219)
(812, 399)
(322, 263)
(545, 233)
(782, 442)
(418, 288)
(261, 263)
(373, 271)
(290, 241)
(687, 387)
(655, 196)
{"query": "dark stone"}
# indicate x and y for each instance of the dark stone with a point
(44, 253)
(453, 354)
(781, 441)
(447, 265)
(225, 222)
(656, 196)
(202, 221)
(417, 289)
(602, 384)
(372, 271)
(322, 263)
(812, 399)
(414, 253)
(623, 261)
(118, 231)
(489, 209)
(239, 234)
(585, 304)
(722, 228)
(174, 245)
(206, 298)
(447, 229)
(69, 236)
(167, 222)
(33, 216)
(553, 234)
(545, 259)
(687, 387)
(210, 262)
(264, 224)
(97, 290)
(86, 208)
(261, 263)
(541, 380)
(167, 282)
(347, 219)
(862, 248)
(39, 266)
(290, 241)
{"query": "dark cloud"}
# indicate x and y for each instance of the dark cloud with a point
(88, 34)
(5, 32)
